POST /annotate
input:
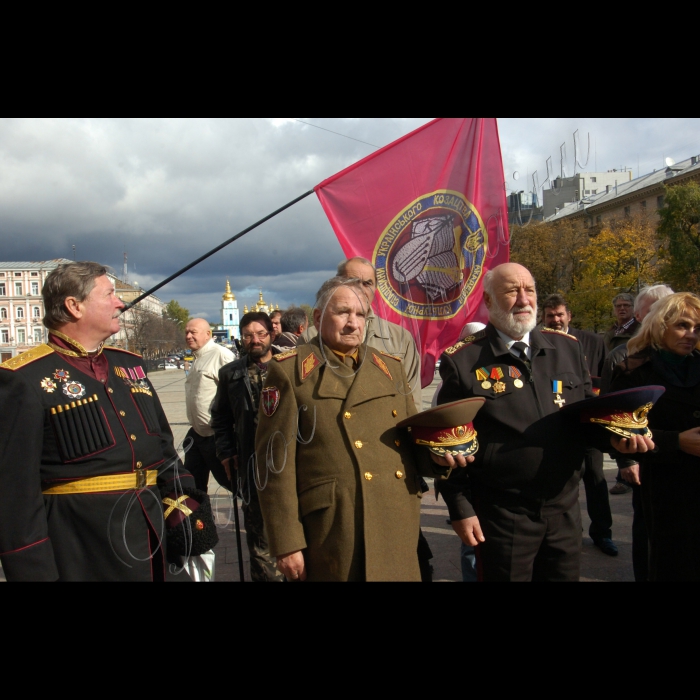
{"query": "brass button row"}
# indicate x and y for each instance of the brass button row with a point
(398, 474)
(358, 444)
(347, 414)
(122, 413)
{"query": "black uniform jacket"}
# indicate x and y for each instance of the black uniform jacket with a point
(529, 459)
(593, 348)
(112, 535)
(233, 416)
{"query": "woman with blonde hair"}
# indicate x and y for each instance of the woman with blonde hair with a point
(666, 352)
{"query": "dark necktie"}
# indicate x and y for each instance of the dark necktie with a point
(522, 353)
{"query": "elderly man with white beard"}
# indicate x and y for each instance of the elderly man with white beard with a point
(517, 499)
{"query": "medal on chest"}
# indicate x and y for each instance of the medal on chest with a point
(557, 390)
(482, 376)
(515, 373)
(499, 386)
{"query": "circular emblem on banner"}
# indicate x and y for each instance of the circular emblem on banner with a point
(430, 257)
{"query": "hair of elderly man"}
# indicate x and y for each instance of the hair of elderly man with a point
(554, 301)
(329, 286)
(71, 279)
(664, 313)
(343, 265)
(256, 317)
(292, 318)
(624, 296)
(655, 292)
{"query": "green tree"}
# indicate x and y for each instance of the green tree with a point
(176, 313)
(679, 229)
(309, 313)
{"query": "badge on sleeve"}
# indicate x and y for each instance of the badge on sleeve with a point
(270, 399)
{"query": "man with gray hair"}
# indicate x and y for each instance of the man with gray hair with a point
(380, 334)
(293, 324)
(518, 499)
(339, 486)
(625, 326)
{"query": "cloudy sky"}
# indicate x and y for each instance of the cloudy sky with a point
(168, 190)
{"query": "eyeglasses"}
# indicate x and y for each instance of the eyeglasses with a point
(249, 336)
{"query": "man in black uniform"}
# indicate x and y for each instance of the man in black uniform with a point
(518, 499)
(84, 447)
(557, 315)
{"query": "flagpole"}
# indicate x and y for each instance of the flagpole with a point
(212, 251)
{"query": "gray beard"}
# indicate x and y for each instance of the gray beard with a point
(505, 322)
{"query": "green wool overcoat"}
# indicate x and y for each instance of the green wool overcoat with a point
(336, 477)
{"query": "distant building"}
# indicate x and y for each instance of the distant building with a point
(127, 293)
(523, 208)
(565, 190)
(229, 313)
(22, 306)
(262, 305)
(644, 195)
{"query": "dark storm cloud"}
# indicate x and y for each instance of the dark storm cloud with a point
(169, 190)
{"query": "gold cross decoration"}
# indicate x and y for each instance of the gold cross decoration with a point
(559, 401)
(176, 505)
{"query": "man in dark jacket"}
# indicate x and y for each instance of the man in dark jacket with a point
(234, 418)
(557, 315)
(84, 447)
(519, 499)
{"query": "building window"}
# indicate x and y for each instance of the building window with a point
(659, 201)
(644, 204)
(21, 337)
(594, 179)
(594, 191)
(2, 274)
(627, 211)
(36, 312)
(20, 312)
(35, 289)
(35, 274)
(3, 312)
(2, 289)
(587, 191)
(18, 274)
(37, 335)
(5, 336)
(18, 289)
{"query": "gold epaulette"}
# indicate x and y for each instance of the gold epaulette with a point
(114, 347)
(554, 330)
(463, 343)
(285, 355)
(393, 357)
(25, 358)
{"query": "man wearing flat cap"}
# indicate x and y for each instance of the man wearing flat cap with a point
(518, 499)
(86, 453)
(338, 480)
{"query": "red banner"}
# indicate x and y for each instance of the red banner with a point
(429, 211)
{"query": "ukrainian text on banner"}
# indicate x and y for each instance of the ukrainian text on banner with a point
(429, 211)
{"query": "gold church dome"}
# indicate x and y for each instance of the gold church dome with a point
(228, 294)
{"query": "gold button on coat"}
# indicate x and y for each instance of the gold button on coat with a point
(133, 437)
(122, 413)
(397, 443)
(394, 413)
(110, 390)
(347, 414)
(399, 474)
(358, 444)
(368, 476)
(139, 465)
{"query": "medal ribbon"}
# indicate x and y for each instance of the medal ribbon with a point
(481, 374)
(514, 372)
(496, 373)
(556, 386)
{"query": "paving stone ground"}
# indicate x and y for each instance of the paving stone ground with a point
(595, 566)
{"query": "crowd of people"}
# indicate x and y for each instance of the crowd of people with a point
(308, 427)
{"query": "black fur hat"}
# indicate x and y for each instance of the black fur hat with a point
(189, 523)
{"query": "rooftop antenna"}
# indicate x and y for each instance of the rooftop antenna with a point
(73, 253)
(125, 270)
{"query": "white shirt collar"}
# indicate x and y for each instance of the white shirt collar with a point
(510, 341)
